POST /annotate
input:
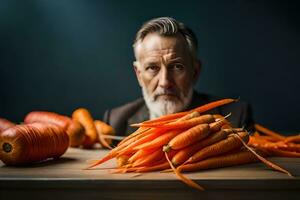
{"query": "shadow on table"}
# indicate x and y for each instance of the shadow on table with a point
(44, 163)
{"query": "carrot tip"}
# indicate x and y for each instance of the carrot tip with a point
(135, 125)
(166, 148)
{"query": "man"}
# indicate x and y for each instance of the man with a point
(167, 68)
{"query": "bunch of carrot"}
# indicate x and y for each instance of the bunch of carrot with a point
(185, 141)
(46, 135)
(82, 129)
(275, 143)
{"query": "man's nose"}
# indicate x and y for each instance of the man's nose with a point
(165, 79)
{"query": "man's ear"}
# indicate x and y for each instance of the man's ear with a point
(136, 66)
(197, 70)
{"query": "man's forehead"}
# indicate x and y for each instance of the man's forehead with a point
(155, 45)
(159, 54)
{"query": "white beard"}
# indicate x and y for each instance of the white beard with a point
(158, 107)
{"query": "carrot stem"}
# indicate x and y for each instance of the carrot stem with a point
(183, 178)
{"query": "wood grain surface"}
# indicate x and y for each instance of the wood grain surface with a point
(65, 178)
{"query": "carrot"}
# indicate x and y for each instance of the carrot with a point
(134, 134)
(75, 132)
(231, 159)
(188, 137)
(122, 160)
(160, 123)
(144, 161)
(269, 132)
(187, 152)
(219, 117)
(217, 125)
(218, 148)
(294, 138)
(188, 123)
(115, 151)
(48, 117)
(166, 117)
(74, 129)
(28, 143)
(283, 153)
(84, 117)
(213, 105)
(159, 141)
(265, 161)
(291, 147)
(5, 124)
(104, 129)
(199, 109)
(140, 153)
(184, 179)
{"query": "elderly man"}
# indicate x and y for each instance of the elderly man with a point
(167, 68)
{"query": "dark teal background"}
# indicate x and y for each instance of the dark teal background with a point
(59, 55)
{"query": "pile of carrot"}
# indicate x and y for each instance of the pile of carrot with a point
(82, 129)
(185, 141)
(45, 135)
(275, 143)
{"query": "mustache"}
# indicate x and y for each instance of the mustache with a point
(172, 92)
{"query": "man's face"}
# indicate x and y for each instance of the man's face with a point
(166, 72)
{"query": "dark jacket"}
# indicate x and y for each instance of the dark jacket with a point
(136, 111)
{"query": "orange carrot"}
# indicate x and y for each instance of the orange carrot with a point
(188, 137)
(199, 109)
(283, 153)
(140, 153)
(231, 159)
(188, 123)
(104, 129)
(144, 161)
(219, 148)
(291, 147)
(5, 124)
(166, 117)
(187, 152)
(28, 143)
(159, 141)
(76, 134)
(139, 131)
(294, 138)
(122, 160)
(213, 104)
(83, 116)
(142, 140)
(265, 161)
(269, 132)
(217, 125)
(183, 178)
(48, 117)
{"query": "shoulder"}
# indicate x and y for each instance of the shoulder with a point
(125, 110)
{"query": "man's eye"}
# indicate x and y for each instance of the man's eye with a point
(152, 68)
(178, 66)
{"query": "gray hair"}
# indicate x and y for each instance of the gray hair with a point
(167, 26)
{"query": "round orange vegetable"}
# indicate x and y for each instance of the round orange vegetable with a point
(5, 124)
(84, 117)
(27, 143)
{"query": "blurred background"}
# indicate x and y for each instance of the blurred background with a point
(61, 55)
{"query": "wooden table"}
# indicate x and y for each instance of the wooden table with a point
(65, 179)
